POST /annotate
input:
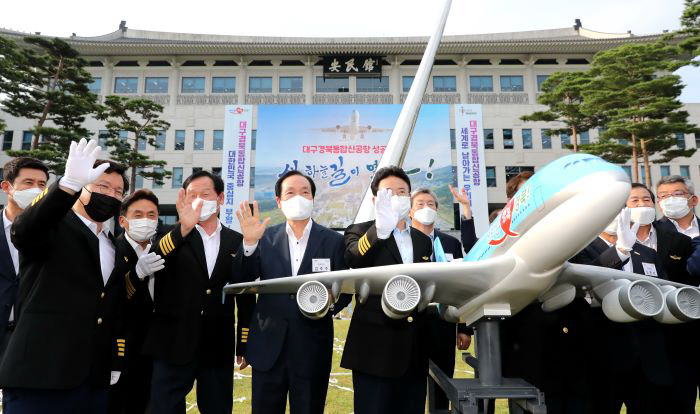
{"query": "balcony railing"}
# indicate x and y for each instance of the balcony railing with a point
(498, 98)
(214, 99)
(282, 98)
(436, 98)
(348, 98)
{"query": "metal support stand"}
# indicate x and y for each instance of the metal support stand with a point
(472, 396)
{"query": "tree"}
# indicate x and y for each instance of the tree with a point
(690, 27)
(141, 119)
(562, 93)
(2, 125)
(48, 84)
(633, 90)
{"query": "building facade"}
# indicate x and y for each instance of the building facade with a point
(193, 76)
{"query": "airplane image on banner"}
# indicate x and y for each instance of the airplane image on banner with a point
(523, 256)
(353, 129)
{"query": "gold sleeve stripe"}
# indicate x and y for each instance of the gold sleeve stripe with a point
(363, 245)
(169, 241)
(40, 196)
(245, 329)
(121, 340)
(166, 247)
(120, 354)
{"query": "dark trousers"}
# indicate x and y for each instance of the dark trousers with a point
(639, 395)
(130, 395)
(270, 389)
(85, 399)
(378, 395)
(171, 383)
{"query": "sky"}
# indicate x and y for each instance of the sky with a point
(328, 18)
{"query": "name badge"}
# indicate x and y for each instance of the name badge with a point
(449, 257)
(320, 265)
(650, 269)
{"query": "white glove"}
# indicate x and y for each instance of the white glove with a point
(626, 236)
(81, 158)
(148, 264)
(387, 218)
(114, 377)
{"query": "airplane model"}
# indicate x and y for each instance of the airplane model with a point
(521, 258)
(354, 128)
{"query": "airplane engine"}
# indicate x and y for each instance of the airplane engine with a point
(632, 301)
(400, 297)
(682, 305)
(313, 299)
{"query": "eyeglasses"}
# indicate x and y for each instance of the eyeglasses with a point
(683, 194)
(107, 190)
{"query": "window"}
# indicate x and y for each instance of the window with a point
(373, 84)
(508, 139)
(156, 85)
(490, 176)
(697, 140)
(216, 171)
(584, 138)
(665, 170)
(332, 84)
(223, 84)
(546, 139)
(481, 83)
(139, 179)
(180, 140)
(157, 170)
(142, 143)
(628, 170)
(192, 85)
(196, 170)
(406, 83)
(102, 137)
(444, 84)
(680, 140)
(685, 171)
(565, 139)
(95, 86)
(27, 140)
(540, 81)
(123, 135)
(642, 176)
(511, 83)
(291, 84)
(527, 138)
(126, 85)
(160, 141)
(177, 177)
(198, 140)
(513, 171)
(218, 139)
(7, 140)
(259, 84)
(488, 138)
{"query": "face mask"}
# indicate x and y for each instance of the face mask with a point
(209, 208)
(401, 205)
(643, 215)
(425, 216)
(675, 207)
(297, 208)
(142, 229)
(102, 207)
(24, 198)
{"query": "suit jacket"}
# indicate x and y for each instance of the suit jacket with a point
(139, 304)
(9, 282)
(277, 323)
(68, 321)
(191, 317)
(468, 234)
(376, 344)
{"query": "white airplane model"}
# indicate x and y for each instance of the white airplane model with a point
(354, 128)
(521, 258)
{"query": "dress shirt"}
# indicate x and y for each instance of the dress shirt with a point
(692, 231)
(106, 248)
(404, 242)
(211, 245)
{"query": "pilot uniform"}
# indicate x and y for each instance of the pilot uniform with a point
(388, 357)
(68, 311)
(9, 281)
(192, 334)
(290, 353)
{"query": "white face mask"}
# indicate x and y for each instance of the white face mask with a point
(209, 208)
(24, 198)
(142, 229)
(426, 216)
(643, 215)
(297, 208)
(675, 207)
(401, 205)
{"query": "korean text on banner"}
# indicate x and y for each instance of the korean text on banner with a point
(235, 165)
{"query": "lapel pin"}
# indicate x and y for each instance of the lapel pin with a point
(126, 259)
(233, 254)
(637, 253)
(675, 257)
(426, 258)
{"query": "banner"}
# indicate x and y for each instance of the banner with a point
(471, 165)
(235, 166)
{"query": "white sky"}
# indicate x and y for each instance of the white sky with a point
(330, 18)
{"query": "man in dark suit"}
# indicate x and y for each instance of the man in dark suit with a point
(677, 200)
(388, 357)
(193, 333)
(424, 205)
(290, 353)
(139, 219)
(66, 347)
(25, 179)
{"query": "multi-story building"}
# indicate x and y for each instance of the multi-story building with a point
(195, 75)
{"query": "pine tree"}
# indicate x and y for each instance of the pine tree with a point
(690, 27)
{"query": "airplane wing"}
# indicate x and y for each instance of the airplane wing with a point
(342, 129)
(367, 129)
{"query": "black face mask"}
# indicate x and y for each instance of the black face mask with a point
(101, 207)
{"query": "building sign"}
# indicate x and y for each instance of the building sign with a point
(235, 167)
(471, 168)
(352, 65)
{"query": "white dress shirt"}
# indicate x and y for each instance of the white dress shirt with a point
(13, 253)
(297, 247)
(404, 242)
(211, 245)
(692, 231)
(650, 240)
(140, 251)
(106, 248)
